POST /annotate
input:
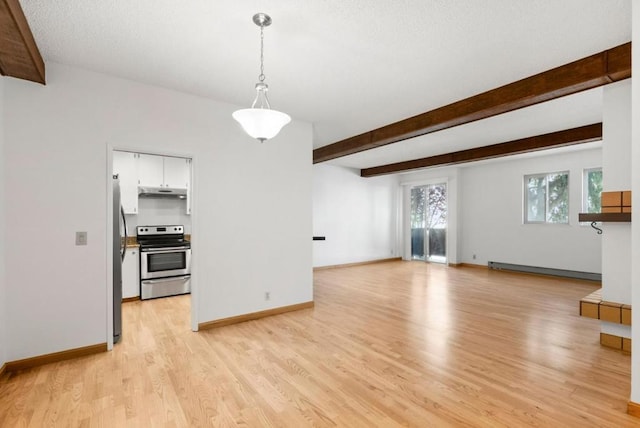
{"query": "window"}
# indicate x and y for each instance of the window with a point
(591, 190)
(546, 198)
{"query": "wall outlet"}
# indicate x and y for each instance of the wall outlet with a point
(474, 257)
(267, 295)
(81, 238)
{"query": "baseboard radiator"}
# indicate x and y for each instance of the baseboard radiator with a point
(546, 271)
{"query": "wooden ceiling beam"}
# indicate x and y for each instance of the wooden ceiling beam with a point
(19, 54)
(586, 73)
(568, 137)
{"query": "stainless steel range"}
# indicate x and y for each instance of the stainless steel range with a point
(165, 261)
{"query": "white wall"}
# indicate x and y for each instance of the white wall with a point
(491, 215)
(616, 167)
(3, 301)
(616, 175)
(358, 216)
(252, 202)
(485, 214)
(635, 217)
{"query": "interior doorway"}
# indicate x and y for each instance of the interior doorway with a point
(429, 223)
(173, 173)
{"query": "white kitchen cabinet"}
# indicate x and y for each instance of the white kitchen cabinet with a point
(176, 172)
(125, 164)
(131, 273)
(150, 170)
(164, 171)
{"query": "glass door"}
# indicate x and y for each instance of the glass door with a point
(429, 223)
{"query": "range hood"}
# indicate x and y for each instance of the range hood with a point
(161, 192)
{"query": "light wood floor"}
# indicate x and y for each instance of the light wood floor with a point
(391, 344)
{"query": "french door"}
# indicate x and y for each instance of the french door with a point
(429, 223)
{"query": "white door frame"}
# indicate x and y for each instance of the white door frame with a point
(411, 186)
(451, 247)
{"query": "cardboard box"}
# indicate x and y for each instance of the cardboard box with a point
(616, 202)
(611, 312)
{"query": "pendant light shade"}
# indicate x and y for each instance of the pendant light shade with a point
(260, 121)
(261, 124)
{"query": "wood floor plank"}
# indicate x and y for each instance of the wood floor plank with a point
(389, 344)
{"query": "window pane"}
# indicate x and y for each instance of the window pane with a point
(437, 208)
(558, 211)
(536, 195)
(594, 190)
(418, 206)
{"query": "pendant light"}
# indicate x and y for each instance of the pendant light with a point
(260, 121)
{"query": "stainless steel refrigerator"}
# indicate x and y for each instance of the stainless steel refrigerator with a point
(119, 251)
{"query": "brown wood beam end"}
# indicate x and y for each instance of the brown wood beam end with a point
(619, 62)
(19, 54)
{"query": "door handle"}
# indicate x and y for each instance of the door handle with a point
(164, 250)
(158, 281)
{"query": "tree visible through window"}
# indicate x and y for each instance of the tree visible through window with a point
(592, 190)
(429, 222)
(429, 206)
(547, 198)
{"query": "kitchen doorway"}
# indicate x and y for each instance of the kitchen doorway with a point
(429, 223)
(144, 181)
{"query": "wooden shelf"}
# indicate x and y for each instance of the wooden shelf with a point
(611, 217)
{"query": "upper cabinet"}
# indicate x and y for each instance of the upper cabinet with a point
(150, 170)
(164, 171)
(177, 172)
(126, 166)
(138, 169)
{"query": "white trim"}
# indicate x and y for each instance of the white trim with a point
(426, 182)
(195, 290)
(407, 217)
(406, 223)
(146, 151)
(109, 241)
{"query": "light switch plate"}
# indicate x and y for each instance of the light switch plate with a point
(81, 238)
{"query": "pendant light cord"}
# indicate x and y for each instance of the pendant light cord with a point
(261, 77)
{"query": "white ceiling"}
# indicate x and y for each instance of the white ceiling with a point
(346, 66)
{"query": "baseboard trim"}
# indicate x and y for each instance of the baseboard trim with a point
(470, 265)
(368, 262)
(254, 316)
(633, 409)
(130, 299)
(3, 369)
(539, 270)
(27, 363)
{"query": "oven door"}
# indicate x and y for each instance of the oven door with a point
(164, 262)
